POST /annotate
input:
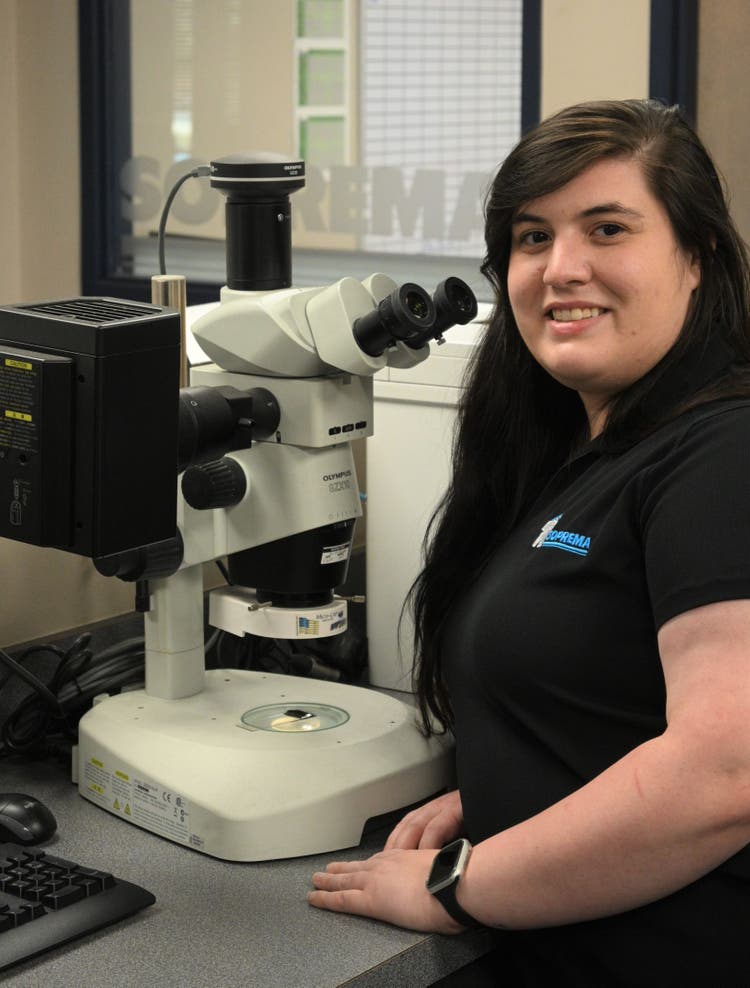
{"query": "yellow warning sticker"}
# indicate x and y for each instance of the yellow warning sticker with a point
(20, 364)
(19, 416)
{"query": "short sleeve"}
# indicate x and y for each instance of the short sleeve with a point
(695, 515)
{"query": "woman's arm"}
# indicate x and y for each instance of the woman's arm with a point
(659, 818)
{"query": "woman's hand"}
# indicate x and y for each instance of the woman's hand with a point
(389, 886)
(432, 826)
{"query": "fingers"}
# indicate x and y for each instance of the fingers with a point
(440, 831)
(429, 826)
(432, 834)
(405, 836)
(349, 901)
(340, 867)
(339, 891)
(331, 881)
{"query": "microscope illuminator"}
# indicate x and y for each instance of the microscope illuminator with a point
(95, 390)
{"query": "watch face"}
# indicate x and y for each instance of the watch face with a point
(443, 865)
(448, 865)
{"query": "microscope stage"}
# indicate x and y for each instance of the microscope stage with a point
(258, 766)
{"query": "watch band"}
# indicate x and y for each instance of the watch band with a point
(447, 868)
(447, 899)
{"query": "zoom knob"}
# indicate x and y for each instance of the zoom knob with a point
(218, 484)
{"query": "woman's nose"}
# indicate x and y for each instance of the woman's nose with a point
(567, 262)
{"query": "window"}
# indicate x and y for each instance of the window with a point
(402, 110)
(323, 101)
(440, 101)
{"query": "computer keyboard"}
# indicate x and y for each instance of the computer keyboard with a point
(46, 901)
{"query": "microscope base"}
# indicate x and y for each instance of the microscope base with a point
(190, 771)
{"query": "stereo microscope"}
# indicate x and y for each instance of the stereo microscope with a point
(241, 765)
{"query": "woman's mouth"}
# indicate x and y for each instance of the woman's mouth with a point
(575, 314)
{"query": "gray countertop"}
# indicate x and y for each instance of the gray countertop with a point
(218, 923)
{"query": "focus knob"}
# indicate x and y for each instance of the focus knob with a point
(145, 562)
(218, 484)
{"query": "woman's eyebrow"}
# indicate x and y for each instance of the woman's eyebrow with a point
(611, 207)
(608, 208)
(528, 218)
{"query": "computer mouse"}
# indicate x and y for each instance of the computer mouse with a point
(24, 819)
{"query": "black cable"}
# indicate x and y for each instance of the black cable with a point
(17, 669)
(45, 721)
(49, 715)
(198, 172)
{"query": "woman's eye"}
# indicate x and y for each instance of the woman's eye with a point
(609, 229)
(533, 237)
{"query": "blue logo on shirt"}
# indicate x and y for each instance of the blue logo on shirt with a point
(551, 537)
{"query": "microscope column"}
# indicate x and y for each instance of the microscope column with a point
(175, 658)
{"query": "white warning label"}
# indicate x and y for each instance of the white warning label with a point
(160, 810)
(139, 800)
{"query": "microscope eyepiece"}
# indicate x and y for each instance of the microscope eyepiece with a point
(415, 302)
(410, 315)
(406, 314)
(455, 303)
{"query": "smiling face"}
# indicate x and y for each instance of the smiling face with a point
(598, 284)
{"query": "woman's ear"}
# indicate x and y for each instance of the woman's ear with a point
(695, 269)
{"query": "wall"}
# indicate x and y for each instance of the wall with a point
(723, 96)
(591, 48)
(42, 591)
(10, 160)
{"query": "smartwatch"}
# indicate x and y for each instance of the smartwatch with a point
(447, 868)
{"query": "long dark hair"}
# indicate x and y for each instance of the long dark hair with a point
(515, 423)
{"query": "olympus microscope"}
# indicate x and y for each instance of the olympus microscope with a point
(241, 765)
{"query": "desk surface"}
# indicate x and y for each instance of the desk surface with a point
(217, 922)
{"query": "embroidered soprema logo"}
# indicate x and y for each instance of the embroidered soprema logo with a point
(552, 537)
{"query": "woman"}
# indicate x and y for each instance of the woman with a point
(583, 617)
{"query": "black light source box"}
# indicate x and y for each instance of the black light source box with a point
(88, 424)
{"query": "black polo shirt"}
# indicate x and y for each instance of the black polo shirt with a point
(552, 662)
